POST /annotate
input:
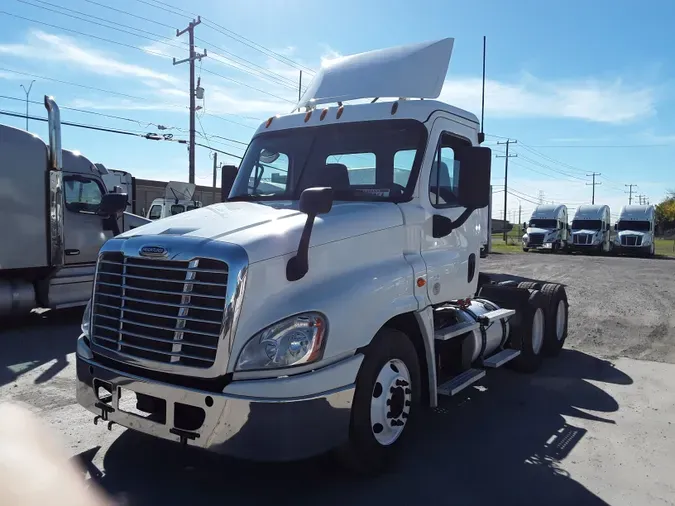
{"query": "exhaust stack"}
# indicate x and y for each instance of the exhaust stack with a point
(55, 156)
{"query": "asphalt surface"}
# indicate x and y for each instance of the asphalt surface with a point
(594, 426)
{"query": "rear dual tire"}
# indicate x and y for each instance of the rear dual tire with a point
(556, 310)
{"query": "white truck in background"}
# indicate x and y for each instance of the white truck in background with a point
(635, 230)
(56, 215)
(547, 229)
(178, 198)
(323, 315)
(591, 229)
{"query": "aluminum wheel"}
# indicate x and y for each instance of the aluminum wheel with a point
(390, 402)
(537, 331)
(560, 315)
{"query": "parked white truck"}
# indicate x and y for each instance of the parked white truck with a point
(547, 229)
(324, 315)
(56, 215)
(635, 230)
(178, 198)
(591, 229)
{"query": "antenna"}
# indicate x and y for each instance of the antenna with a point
(481, 135)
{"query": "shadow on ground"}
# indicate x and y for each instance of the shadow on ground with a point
(25, 345)
(502, 442)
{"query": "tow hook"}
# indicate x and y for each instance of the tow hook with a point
(110, 425)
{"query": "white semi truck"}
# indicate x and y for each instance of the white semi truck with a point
(591, 229)
(178, 198)
(547, 229)
(635, 230)
(56, 215)
(325, 314)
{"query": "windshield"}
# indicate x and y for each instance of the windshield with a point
(177, 209)
(377, 160)
(543, 224)
(638, 226)
(587, 224)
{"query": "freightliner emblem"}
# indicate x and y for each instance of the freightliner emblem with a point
(153, 251)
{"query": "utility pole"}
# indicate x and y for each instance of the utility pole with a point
(300, 87)
(520, 215)
(215, 170)
(630, 192)
(27, 92)
(506, 157)
(594, 184)
(193, 56)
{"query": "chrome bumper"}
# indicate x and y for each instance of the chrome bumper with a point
(271, 428)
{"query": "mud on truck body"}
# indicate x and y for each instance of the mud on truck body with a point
(325, 314)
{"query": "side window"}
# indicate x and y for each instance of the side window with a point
(444, 178)
(155, 212)
(360, 167)
(82, 194)
(270, 174)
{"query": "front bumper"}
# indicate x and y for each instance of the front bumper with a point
(620, 249)
(277, 427)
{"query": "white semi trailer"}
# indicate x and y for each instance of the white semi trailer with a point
(591, 229)
(635, 230)
(55, 215)
(547, 229)
(323, 315)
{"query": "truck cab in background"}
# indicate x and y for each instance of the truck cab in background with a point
(177, 199)
(56, 214)
(635, 230)
(591, 229)
(547, 229)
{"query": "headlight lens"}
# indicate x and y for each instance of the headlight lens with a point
(293, 341)
(86, 320)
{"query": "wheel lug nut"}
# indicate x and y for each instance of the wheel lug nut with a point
(402, 383)
(404, 415)
(408, 391)
(407, 403)
(390, 415)
(388, 402)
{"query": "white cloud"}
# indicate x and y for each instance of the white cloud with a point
(589, 99)
(67, 50)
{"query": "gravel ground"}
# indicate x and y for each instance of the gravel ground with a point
(594, 426)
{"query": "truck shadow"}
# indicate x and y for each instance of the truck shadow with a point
(25, 345)
(504, 441)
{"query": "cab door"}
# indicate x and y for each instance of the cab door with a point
(84, 233)
(451, 260)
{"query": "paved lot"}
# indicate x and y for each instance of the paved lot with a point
(595, 426)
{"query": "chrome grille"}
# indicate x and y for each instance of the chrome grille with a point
(536, 239)
(162, 310)
(631, 240)
(582, 239)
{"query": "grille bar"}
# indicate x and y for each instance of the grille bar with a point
(162, 310)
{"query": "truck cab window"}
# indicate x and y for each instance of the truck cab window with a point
(403, 164)
(361, 167)
(177, 209)
(155, 212)
(82, 194)
(444, 178)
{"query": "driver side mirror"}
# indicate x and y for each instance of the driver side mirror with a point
(228, 173)
(616, 227)
(473, 186)
(112, 203)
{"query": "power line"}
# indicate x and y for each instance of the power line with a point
(125, 95)
(247, 85)
(131, 14)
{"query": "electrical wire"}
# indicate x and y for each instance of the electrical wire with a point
(248, 86)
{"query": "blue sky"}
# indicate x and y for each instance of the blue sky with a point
(583, 86)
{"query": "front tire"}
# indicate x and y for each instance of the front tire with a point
(386, 401)
(557, 317)
(526, 249)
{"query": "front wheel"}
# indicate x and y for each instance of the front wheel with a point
(526, 249)
(387, 398)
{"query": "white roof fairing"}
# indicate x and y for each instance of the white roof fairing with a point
(412, 71)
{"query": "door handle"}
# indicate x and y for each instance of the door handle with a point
(72, 252)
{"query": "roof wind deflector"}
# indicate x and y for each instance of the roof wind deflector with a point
(413, 71)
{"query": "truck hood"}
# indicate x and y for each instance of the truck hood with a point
(544, 231)
(630, 232)
(270, 229)
(585, 231)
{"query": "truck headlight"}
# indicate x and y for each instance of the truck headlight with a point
(86, 320)
(525, 238)
(293, 341)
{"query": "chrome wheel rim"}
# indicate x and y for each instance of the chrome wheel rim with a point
(390, 402)
(537, 331)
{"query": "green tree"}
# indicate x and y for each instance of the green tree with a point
(665, 213)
